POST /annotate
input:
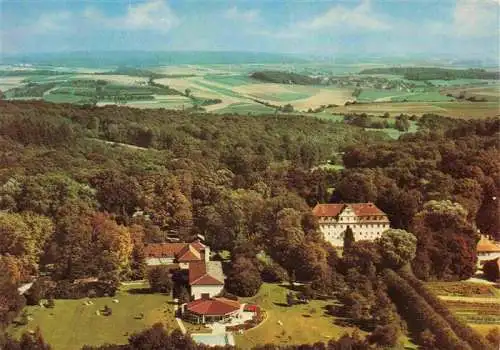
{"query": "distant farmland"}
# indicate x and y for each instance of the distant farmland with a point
(260, 89)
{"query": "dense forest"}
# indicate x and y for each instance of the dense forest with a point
(82, 189)
(431, 73)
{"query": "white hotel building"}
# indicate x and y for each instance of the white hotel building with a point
(366, 220)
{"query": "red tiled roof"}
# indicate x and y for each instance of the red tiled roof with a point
(188, 253)
(487, 246)
(198, 245)
(163, 250)
(184, 252)
(213, 307)
(360, 209)
(206, 273)
(328, 209)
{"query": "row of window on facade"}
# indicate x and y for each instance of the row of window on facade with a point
(362, 234)
(353, 219)
(359, 226)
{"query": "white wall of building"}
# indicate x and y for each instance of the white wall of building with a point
(159, 261)
(333, 229)
(487, 256)
(197, 291)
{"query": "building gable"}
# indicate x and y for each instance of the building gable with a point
(206, 273)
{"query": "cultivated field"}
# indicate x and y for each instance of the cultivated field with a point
(463, 109)
(475, 303)
(236, 92)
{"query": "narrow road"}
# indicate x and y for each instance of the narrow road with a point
(486, 300)
(181, 325)
(179, 321)
(122, 144)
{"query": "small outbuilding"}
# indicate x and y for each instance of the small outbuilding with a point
(487, 250)
(208, 310)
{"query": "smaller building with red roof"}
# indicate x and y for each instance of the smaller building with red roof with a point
(206, 279)
(176, 253)
(487, 250)
(207, 310)
(366, 220)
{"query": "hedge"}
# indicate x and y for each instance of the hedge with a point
(418, 313)
(465, 332)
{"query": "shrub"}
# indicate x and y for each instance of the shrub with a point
(244, 278)
(385, 336)
(50, 303)
(41, 289)
(493, 337)
(308, 292)
(491, 270)
(34, 294)
(64, 289)
(107, 311)
(159, 279)
(227, 295)
(273, 273)
(288, 108)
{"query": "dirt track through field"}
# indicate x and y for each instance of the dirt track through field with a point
(487, 300)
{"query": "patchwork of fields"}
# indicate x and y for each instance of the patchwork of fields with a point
(476, 304)
(230, 89)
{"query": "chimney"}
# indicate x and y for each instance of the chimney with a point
(207, 253)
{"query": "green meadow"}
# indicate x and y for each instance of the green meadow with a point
(72, 324)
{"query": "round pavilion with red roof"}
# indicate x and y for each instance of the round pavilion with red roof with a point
(208, 310)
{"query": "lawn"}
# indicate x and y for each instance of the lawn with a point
(72, 324)
(301, 323)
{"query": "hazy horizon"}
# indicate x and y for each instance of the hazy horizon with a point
(459, 29)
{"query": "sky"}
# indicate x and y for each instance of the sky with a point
(449, 28)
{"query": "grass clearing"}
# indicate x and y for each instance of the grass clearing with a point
(71, 324)
(245, 108)
(301, 323)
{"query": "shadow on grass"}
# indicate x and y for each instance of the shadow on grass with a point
(342, 319)
(281, 304)
(294, 288)
(140, 291)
